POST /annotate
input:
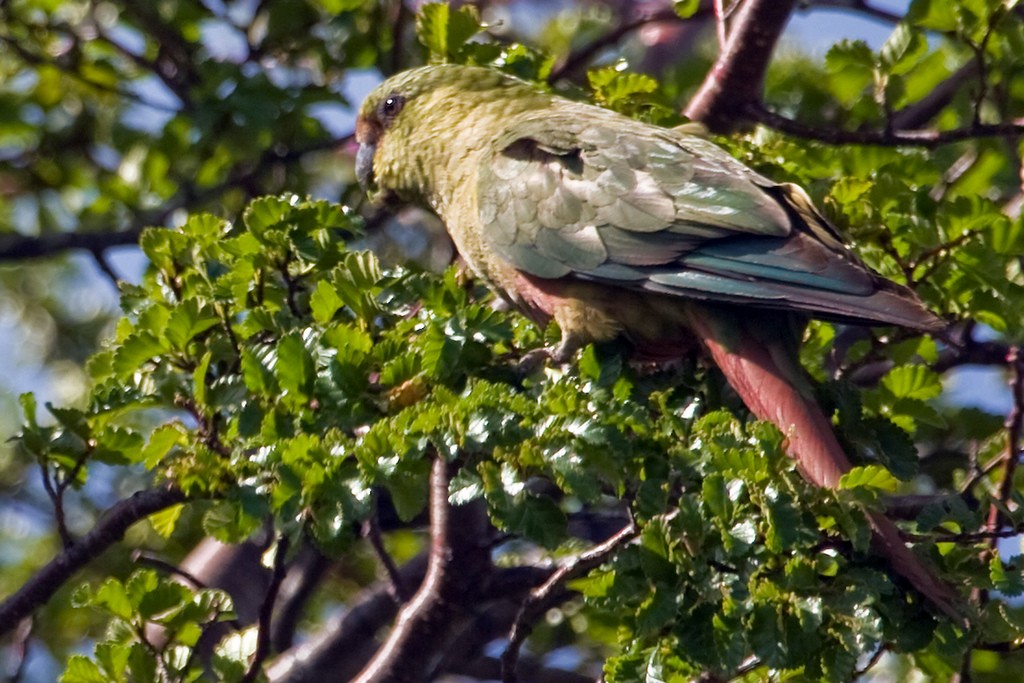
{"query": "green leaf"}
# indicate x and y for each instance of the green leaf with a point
(913, 381)
(444, 32)
(538, 519)
(29, 408)
(686, 8)
(81, 669)
(188, 320)
(935, 15)
(229, 523)
(324, 302)
(296, 369)
(851, 65)
(111, 596)
(163, 522)
(163, 439)
(409, 488)
(1007, 237)
(199, 378)
(1006, 578)
(135, 351)
(903, 48)
(465, 487)
(265, 213)
(256, 375)
(871, 477)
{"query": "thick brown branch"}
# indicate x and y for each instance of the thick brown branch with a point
(735, 81)
(108, 531)
(458, 572)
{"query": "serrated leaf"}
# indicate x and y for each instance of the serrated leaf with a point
(871, 477)
(135, 351)
(324, 302)
(444, 31)
(256, 374)
(187, 321)
(113, 598)
(164, 522)
(913, 381)
(296, 368)
(265, 213)
(538, 519)
(160, 443)
(903, 48)
(81, 669)
(465, 487)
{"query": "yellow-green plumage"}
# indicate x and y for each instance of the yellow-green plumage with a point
(538, 190)
(614, 227)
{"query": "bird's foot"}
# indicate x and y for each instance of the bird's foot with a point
(534, 360)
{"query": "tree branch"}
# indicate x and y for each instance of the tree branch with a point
(928, 107)
(894, 138)
(263, 634)
(861, 7)
(584, 55)
(18, 247)
(108, 531)
(457, 574)
(1014, 426)
(343, 645)
(540, 599)
(736, 79)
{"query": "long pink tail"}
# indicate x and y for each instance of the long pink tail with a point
(755, 373)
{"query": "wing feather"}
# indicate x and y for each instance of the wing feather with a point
(605, 198)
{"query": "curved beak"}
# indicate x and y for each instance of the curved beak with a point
(364, 164)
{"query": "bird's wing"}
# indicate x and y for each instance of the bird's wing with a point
(617, 201)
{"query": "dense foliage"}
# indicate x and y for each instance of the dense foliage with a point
(280, 387)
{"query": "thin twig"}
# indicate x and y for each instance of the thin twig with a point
(58, 506)
(875, 656)
(580, 58)
(1013, 433)
(861, 7)
(267, 610)
(144, 559)
(371, 532)
(537, 602)
(397, 31)
(895, 138)
(100, 257)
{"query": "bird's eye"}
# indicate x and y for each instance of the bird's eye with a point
(389, 108)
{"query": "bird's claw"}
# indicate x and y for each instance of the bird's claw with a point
(534, 360)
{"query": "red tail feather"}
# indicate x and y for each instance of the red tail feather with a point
(754, 373)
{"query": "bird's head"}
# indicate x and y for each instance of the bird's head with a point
(412, 126)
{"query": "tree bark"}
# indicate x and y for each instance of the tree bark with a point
(736, 80)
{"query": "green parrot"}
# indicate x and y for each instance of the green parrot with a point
(613, 227)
